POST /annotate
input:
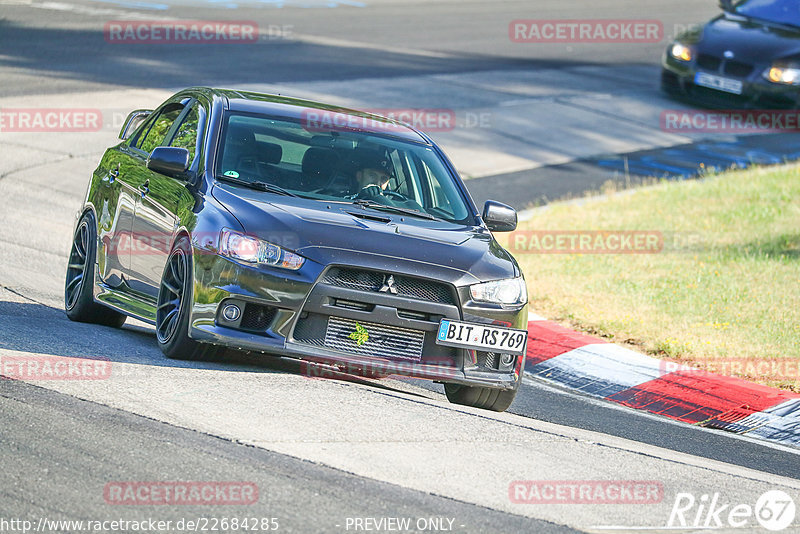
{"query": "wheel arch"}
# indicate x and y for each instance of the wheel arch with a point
(87, 209)
(180, 233)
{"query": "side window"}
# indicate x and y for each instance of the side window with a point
(186, 136)
(417, 189)
(404, 183)
(398, 182)
(443, 192)
(432, 185)
(158, 129)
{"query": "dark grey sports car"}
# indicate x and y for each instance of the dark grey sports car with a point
(748, 57)
(282, 226)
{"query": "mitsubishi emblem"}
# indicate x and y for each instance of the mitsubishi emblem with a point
(388, 285)
(728, 54)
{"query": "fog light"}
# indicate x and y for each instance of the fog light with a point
(506, 360)
(231, 312)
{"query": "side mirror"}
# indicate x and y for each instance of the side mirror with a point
(170, 161)
(135, 118)
(499, 217)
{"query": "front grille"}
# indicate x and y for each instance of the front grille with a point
(727, 67)
(737, 68)
(379, 341)
(708, 62)
(257, 318)
(354, 279)
(406, 286)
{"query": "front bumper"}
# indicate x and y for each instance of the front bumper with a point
(677, 78)
(286, 313)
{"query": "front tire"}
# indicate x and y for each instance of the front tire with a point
(78, 286)
(670, 84)
(497, 400)
(174, 304)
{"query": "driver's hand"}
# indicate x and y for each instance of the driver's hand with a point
(370, 191)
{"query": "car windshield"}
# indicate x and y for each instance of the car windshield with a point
(778, 11)
(364, 168)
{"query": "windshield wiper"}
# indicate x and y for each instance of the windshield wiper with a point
(407, 211)
(260, 186)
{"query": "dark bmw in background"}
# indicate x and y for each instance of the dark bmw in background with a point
(276, 225)
(747, 57)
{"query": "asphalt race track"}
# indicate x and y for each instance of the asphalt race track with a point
(533, 123)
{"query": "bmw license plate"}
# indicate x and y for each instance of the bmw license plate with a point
(720, 83)
(481, 336)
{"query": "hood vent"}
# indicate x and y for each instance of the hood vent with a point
(370, 217)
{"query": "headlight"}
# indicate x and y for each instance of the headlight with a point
(681, 52)
(509, 292)
(252, 250)
(784, 75)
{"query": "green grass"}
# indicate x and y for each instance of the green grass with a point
(725, 287)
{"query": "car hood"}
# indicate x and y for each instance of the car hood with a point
(334, 233)
(750, 41)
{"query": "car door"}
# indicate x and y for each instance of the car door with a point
(155, 219)
(114, 198)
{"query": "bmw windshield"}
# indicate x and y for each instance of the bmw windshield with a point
(342, 165)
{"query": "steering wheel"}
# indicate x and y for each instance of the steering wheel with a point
(395, 195)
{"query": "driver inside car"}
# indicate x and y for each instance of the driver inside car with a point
(373, 174)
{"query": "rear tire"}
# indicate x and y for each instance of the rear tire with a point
(497, 400)
(174, 304)
(79, 283)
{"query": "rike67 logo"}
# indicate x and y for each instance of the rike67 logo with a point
(774, 510)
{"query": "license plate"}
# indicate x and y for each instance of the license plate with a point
(481, 336)
(718, 82)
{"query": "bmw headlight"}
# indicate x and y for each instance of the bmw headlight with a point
(508, 292)
(252, 250)
(681, 52)
(783, 75)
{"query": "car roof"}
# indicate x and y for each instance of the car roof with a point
(317, 113)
